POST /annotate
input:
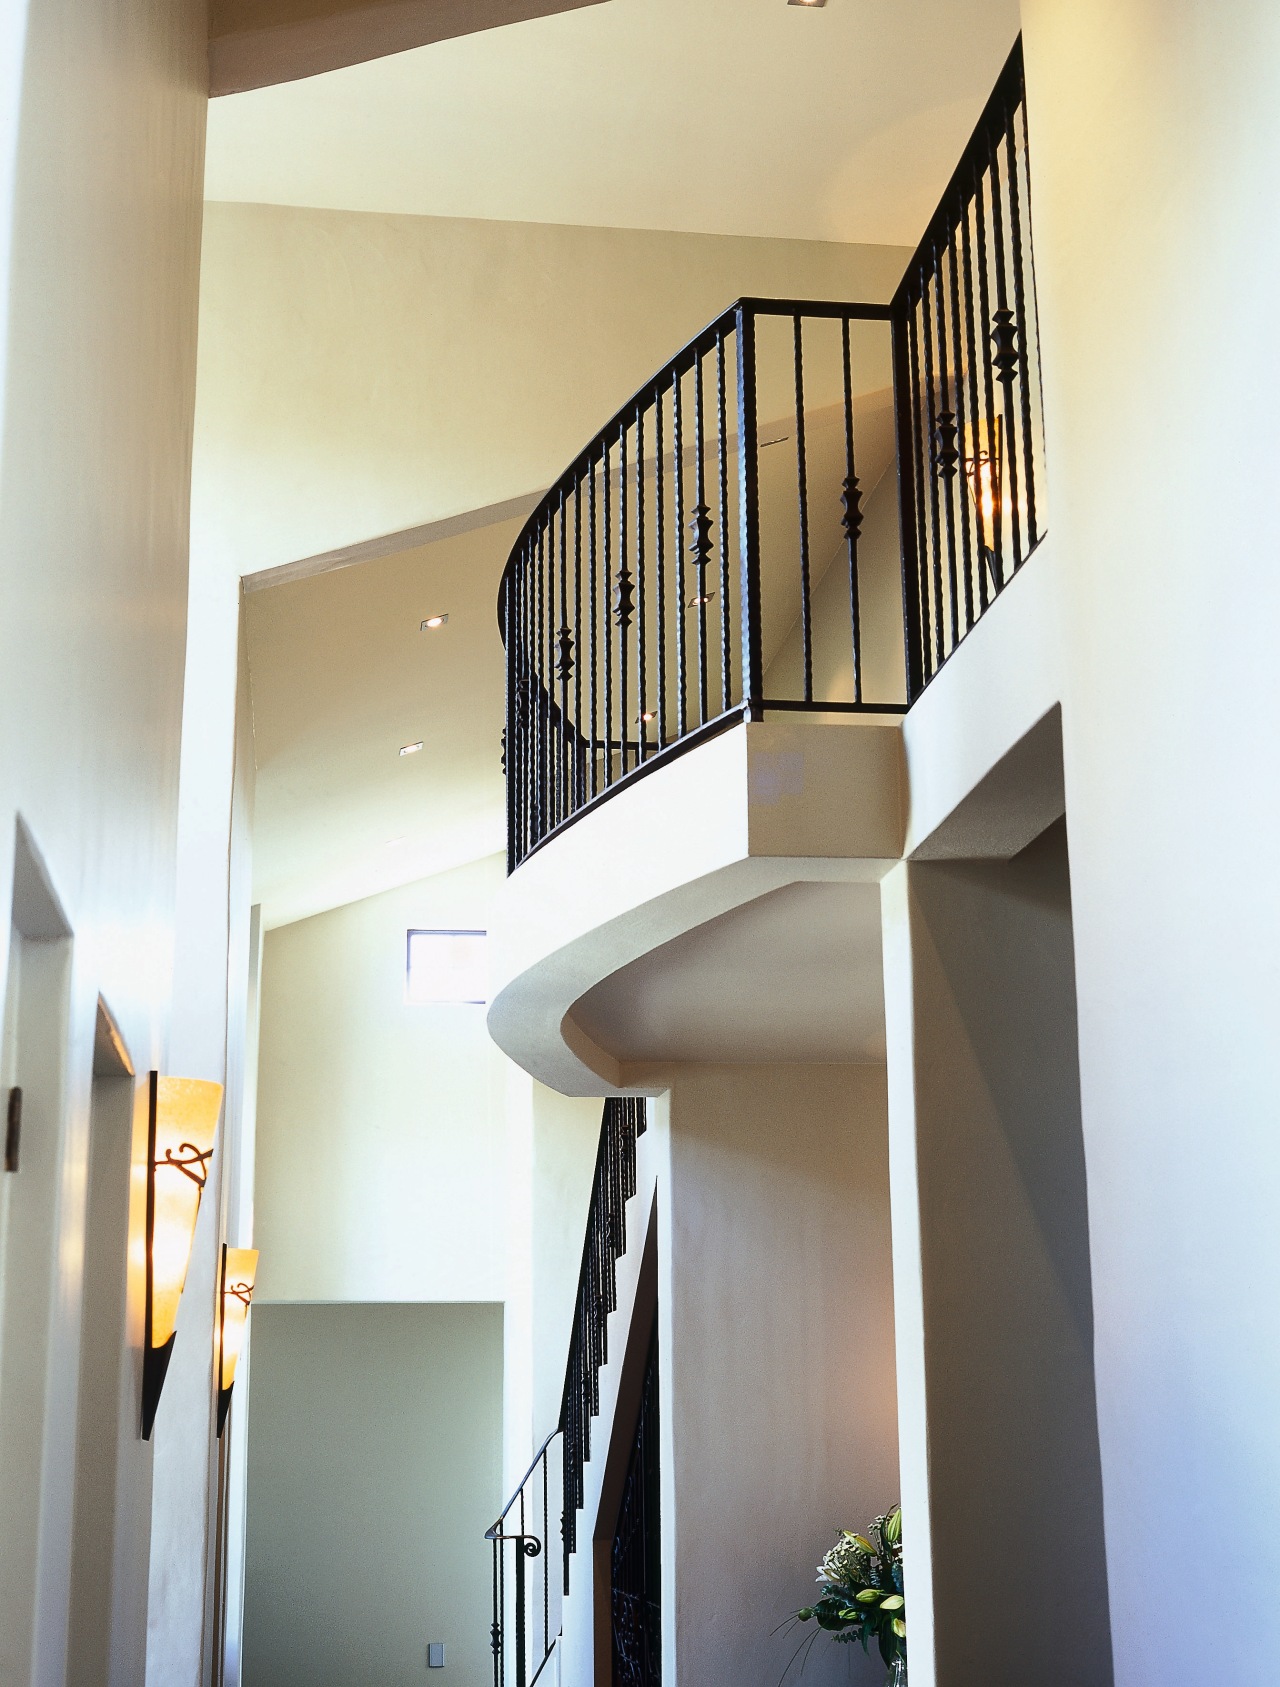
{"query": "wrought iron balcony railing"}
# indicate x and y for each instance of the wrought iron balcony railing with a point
(807, 508)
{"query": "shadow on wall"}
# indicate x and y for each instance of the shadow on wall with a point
(1012, 1417)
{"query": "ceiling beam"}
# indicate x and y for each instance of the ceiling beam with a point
(255, 43)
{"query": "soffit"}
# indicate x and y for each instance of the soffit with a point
(719, 116)
(253, 43)
(341, 677)
(793, 976)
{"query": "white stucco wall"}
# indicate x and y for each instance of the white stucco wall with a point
(101, 144)
(381, 1125)
(1155, 135)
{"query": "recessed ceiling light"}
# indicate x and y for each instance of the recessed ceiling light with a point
(410, 749)
(432, 622)
(806, 2)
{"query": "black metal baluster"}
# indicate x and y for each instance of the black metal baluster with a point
(623, 601)
(522, 1667)
(802, 490)
(851, 500)
(1005, 358)
(495, 1627)
(918, 466)
(974, 466)
(502, 1596)
(926, 321)
(945, 454)
(606, 567)
(700, 533)
(546, 1579)
(912, 636)
(527, 741)
(962, 511)
(677, 427)
(510, 600)
(515, 784)
(540, 827)
(1020, 308)
(579, 737)
(660, 544)
(530, 729)
(642, 726)
(564, 666)
(722, 419)
(549, 681)
(593, 738)
(749, 515)
(995, 453)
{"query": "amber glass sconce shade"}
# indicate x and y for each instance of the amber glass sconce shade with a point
(239, 1269)
(183, 1122)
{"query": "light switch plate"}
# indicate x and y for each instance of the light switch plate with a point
(435, 1654)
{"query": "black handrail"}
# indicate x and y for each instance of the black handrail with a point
(524, 1523)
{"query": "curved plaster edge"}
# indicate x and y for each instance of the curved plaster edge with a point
(763, 806)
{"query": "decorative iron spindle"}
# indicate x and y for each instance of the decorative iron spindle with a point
(967, 390)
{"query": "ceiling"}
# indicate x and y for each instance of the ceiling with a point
(341, 677)
(795, 975)
(718, 116)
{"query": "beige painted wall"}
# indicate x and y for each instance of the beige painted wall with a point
(381, 1127)
(101, 145)
(374, 1465)
(361, 374)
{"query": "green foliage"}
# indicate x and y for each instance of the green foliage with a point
(862, 1595)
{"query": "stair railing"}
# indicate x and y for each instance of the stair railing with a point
(526, 1615)
(526, 1604)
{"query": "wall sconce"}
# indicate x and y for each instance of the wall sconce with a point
(183, 1121)
(239, 1269)
(983, 471)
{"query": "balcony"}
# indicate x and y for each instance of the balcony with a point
(805, 511)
